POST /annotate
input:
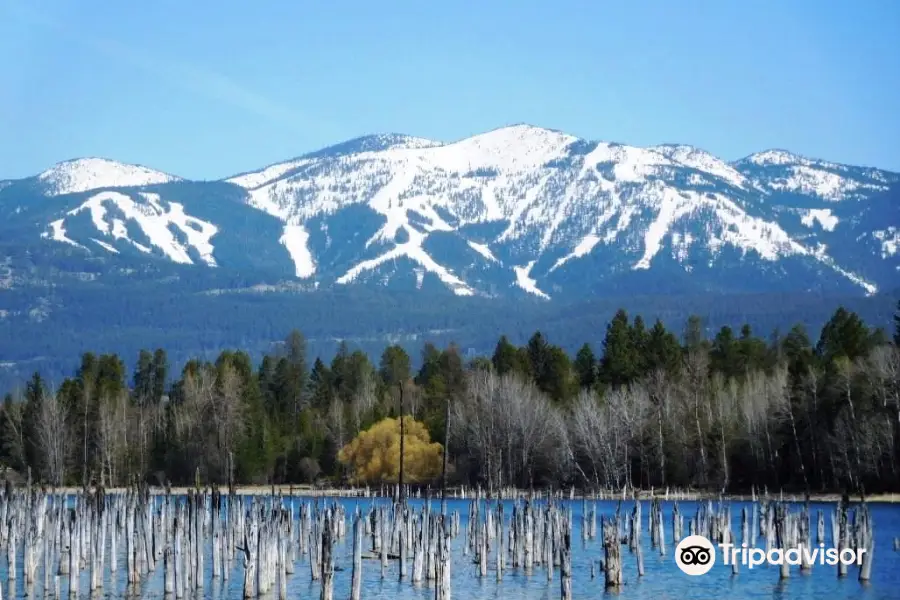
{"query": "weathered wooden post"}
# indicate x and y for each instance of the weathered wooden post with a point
(169, 571)
(565, 568)
(866, 545)
(612, 553)
(327, 592)
(251, 540)
(356, 583)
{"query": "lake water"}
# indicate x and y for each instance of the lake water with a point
(663, 579)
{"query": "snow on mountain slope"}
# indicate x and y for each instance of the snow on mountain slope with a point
(509, 149)
(411, 249)
(85, 174)
(776, 156)
(114, 216)
(703, 161)
(553, 192)
(524, 280)
(372, 143)
(296, 239)
(890, 240)
(270, 173)
(520, 208)
(781, 171)
(822, 216)
(482, 249)
(57, 233)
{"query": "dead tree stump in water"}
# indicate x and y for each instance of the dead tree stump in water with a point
(612, 553)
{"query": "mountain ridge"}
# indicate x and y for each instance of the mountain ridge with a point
(311, 153)
(515, 210)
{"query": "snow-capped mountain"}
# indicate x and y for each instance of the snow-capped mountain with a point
(517, 210)
(84, 174)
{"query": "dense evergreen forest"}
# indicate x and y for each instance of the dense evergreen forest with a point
(652, 407)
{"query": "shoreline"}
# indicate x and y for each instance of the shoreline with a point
(454, 494)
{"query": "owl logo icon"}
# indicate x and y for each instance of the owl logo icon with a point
(695, 555)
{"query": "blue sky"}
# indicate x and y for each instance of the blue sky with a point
(206, 89)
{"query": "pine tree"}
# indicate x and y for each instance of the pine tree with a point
(506, 358)
(620, 364)
(640, 339)
(694, 336)
(35, 395)
(586, 367)
(321, 386)
(843, 336)
(431, 365)
(12, 444)
(394, 367)
(663, 349)
(537, 351)
(160, 375)
(798, 351)
(724, 353)
(752, 351)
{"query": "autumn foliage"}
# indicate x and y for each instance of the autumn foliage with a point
(374, 455)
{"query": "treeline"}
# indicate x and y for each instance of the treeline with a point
(652, 407)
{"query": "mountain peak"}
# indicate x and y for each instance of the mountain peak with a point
(520, 132)
(774, 156)
(85, 174)
(513, 147)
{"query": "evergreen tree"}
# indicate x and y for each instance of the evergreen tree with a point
(431, 365)
(142, 379)
(843, 336)
(321, 386)
(694, 336)
(537, 350)
(798, 351)
(35, 394)
(160, 375)
(724, 353)
(506, 358)
(752, 351)
(339, 368)
(394, 367)
(586, 367)
(663, 349)
(12, 444)
(453, 372)
(557, 377)
(620, 364)
(295, 350)
(640, 339)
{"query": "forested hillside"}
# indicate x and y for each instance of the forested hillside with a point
(651, 407)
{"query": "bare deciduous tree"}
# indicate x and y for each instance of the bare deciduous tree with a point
(112, 436)
(53, 438)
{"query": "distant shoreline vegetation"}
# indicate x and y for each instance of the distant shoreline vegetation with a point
(651, 409)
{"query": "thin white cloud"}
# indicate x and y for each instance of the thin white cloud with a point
(195, 78)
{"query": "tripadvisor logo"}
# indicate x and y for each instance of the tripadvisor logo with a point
(696, 555)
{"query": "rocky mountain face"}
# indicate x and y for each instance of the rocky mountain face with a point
(516, 211)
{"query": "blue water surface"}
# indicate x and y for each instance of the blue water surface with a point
(663, 580)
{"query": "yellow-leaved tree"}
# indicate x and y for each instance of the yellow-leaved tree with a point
(374, 455)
